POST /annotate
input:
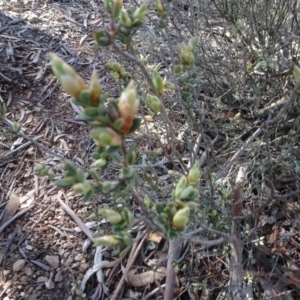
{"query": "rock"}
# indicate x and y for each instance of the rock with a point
(24, 279)
(78, 257)
(58, 277)
(84, 266)
(29, 247)
(69, 261)
(49, 284)
(19, 265)
(52, 260)
(41, 279)
(28, 271)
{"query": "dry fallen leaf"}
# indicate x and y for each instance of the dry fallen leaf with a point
(142, 279)
(155, 237)
(27, 199)
(10, 208)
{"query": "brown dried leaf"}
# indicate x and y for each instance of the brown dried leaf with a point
(155, 237)
(10, 208)
(142, 279)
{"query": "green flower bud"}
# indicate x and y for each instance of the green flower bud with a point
(158, 83)
(187, 57)
(125, 19)
(154, 103)
(181, 185)
(194, 41)
(181, 218)
(106, 137)
(194, 173)
(147, 202)
(189, 193)
(140, 13)
(158, 6)
(112, 216)
(72, 83)
(107, 240)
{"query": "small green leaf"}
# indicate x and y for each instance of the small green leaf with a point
(159, 208)
(71, 170)
(91, 111)
(101, 38)
(88, 196)
(111, 150)
(62, 183)
(136, 124)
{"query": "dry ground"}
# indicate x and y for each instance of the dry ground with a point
(41, 252)
(29, 30)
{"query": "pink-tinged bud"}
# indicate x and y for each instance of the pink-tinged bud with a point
(95, 88)
(181, 218)
(116, 138)
(128, 107)
(117, 6)
(72, 83)
(107, 240)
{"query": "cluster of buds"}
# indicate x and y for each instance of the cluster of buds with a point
(161, 12)
(161, 84)
(121, 219)
(111, 121)
(124, 23)
(121, 222)
(186, 55)
(175, 216)
(118, 71)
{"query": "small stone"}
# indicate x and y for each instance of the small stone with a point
(19, 265)
(41, 279)
(6, 272)
(52, 260)
(28, 271)
(58, 277)
(49, 284)
(69, 261)
(78, 257)
(67, 245)
(29, 247)
(84, 266)
(24, 279)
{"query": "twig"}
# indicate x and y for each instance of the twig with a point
(32, 141)
(132, 257)
(80, 224)
(8, 222)
(173, 255)
(222, 173)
